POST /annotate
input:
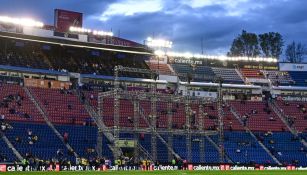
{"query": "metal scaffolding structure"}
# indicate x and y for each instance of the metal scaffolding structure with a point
(188, 114)
(154, 98)
(201, 128)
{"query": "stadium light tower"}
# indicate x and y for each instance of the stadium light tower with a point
(160, 45)
(21, 21)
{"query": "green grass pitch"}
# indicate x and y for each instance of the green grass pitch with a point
(272, 172)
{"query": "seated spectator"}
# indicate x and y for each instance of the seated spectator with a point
(12, 111)
(3, 127)
(69, 106)
(271, 141)
(92, 97)
(59, 153)
(29, 132)
(35, 139)
(65, 137)
(26, 115)
(130, 119)
(18, 139)
(2, 118)
(272, 118)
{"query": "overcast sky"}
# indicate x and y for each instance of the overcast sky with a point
(184, 22)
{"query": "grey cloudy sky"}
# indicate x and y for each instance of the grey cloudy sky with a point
(184, 22)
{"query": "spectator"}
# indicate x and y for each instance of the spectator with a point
(60, 153)
(29, 132)
(65, 137)
(2, 118)
(17, 139)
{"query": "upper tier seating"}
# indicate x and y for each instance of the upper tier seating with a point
(278, 77)
(228, 75)
(199, 73)
(161, 68)
(72, 59)
(299, 78)
(252, 73)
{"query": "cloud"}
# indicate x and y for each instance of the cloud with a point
(131, 7)
(184, 22)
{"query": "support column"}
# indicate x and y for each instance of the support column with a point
(169, 127)
(221, 124)
(99, 148)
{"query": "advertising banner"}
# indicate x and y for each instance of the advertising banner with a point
(64, 19)
(292, 67)
(190, 167)
(112, 41)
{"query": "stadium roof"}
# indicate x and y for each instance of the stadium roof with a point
(79, 44)
(121, 78)
(31, 70)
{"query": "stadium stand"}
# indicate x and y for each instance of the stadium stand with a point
(37, 140)
(296, 114)
(16, 106)
(278, 77)
(62, 106)
(299, 78)
(199, 73)
(258, 112)
(6, 154)
(285, 147)
(72, 59)
(228, 75)
(243, 149)
(161, 68)
(23, 58)
(252, 73)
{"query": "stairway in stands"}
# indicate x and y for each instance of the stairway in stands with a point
(93, 112)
